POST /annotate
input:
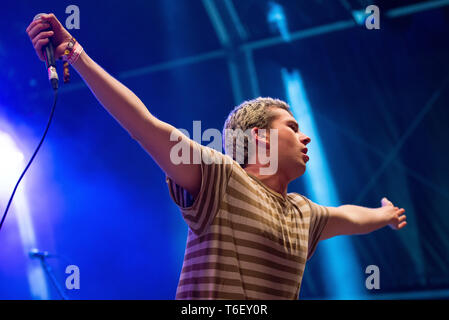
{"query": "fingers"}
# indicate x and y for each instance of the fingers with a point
(31, 25)
(36, 28)
(52, 20)
(39, 32)
(385, 202)
(42, 35)
(400, 221)
(398, 226)
(399, 212)
(46, 21)
(39, 44)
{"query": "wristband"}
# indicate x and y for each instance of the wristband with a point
(75, 53)
(70, 56)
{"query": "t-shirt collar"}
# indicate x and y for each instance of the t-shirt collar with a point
(277, 194)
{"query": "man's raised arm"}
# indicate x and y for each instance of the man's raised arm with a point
(152, 134)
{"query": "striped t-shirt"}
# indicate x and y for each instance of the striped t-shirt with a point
(245, 241)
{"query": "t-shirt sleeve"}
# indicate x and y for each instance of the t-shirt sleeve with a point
(318, 219)
(199, 213)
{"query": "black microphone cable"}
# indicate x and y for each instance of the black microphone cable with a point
(55, 90)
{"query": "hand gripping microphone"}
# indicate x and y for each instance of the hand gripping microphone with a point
(48, 52)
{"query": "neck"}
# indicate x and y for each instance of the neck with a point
(276, 182)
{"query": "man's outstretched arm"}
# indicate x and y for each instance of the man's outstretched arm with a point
(350, 219)
(152, 134)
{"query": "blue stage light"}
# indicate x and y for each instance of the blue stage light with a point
(278, 21)
(11, 166)
(343, 279)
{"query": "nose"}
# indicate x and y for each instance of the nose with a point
(304, 139)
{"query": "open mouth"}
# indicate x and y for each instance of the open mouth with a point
(304, 152)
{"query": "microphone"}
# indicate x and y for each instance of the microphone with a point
(48, 52)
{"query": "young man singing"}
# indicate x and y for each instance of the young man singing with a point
(248, 238)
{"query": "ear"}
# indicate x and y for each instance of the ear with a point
(261, 136)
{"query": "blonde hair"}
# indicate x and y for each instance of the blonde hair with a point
(249, 114)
